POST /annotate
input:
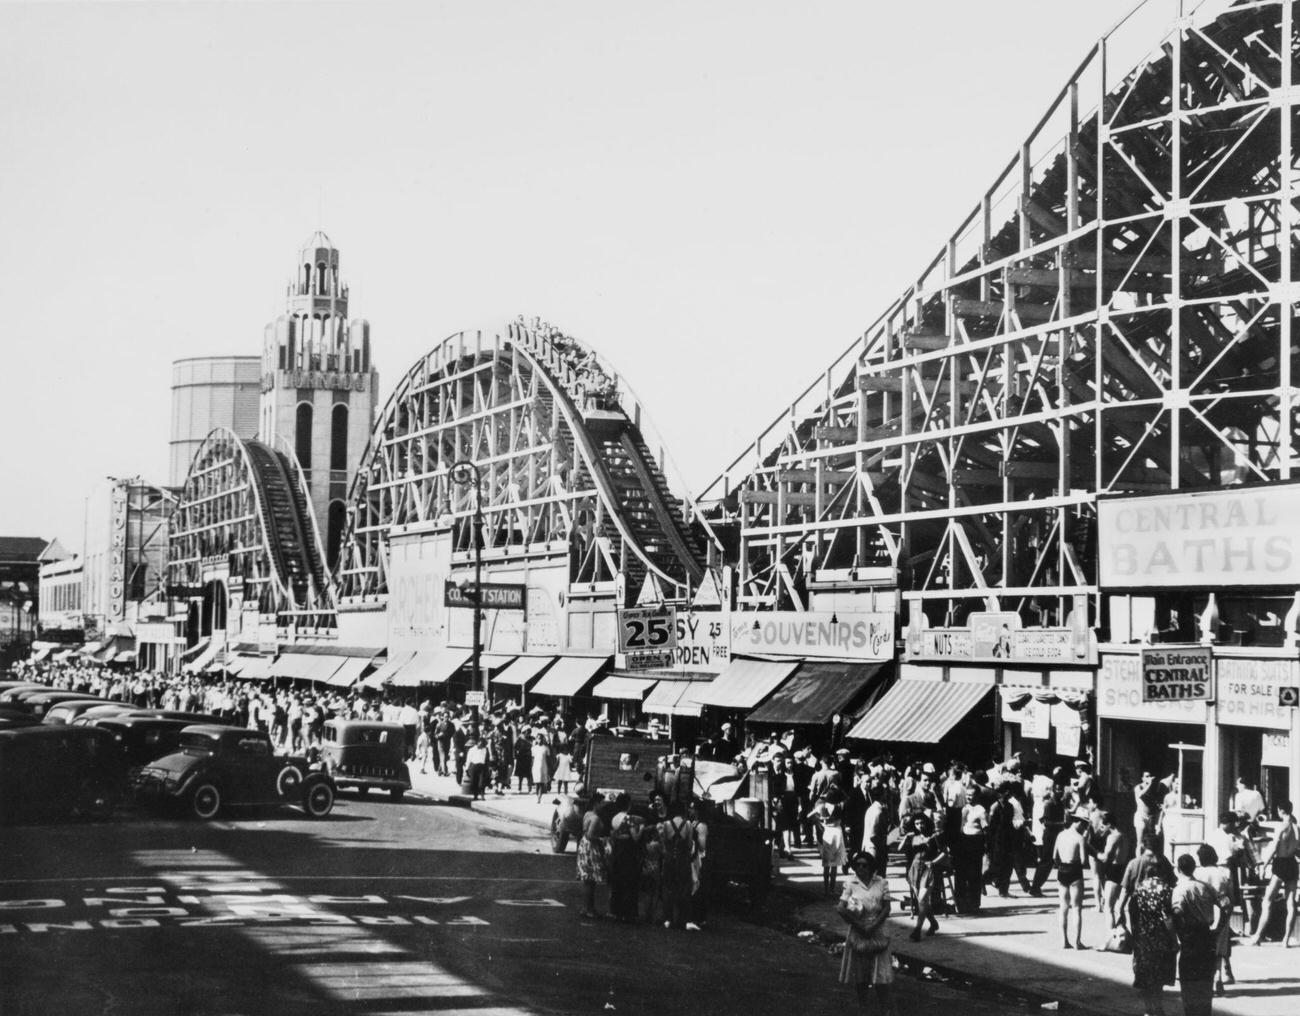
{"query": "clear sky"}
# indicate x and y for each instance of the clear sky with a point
(717, 196)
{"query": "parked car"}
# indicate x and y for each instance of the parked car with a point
(360, 754)
(141, 739)
(88, 716)
(12, 696)
(69, 710)
(11, 718)
(220, 767)
(51, 772)
(39, 703)
(173, 714)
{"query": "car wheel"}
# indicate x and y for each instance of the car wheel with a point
(398, 793)
(95, 800)
(205, 801)
(559, 835)
(288, 782)
(317, 798)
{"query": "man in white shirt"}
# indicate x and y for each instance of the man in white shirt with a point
(1247, 800)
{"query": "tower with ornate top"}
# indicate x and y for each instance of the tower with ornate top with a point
(319, 385)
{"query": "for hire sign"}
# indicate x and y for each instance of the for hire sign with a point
(1225, 537)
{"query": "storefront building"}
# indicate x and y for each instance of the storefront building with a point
(1202, 658)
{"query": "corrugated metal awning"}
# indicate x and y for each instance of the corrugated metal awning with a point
(816, 692)
(570, 675)
(677, 698)
(920, 711)
(620, 687)
(522, 671)
(745, 683)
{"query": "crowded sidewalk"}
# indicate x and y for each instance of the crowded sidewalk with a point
(1013, 943)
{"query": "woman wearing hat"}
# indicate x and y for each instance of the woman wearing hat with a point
(864, 905)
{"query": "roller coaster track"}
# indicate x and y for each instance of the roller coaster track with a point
(1115, 315)
(561, 445)
(240, 506)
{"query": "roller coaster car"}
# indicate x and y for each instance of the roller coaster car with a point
(738, 851)
(219, 767)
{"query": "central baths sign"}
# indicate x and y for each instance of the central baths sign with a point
(1226, 537)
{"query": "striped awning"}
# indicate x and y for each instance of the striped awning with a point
(677, 698)
(619, 687)
(745, 683)
(920, 711)
(198, 663)
(522, 671)
(570, 675)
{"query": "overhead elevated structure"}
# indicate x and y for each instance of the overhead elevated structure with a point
(243, 537)
(1115, 315)
(566, 459)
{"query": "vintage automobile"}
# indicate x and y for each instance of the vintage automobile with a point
(85, 717)
(39, 703)
(12, 696)
(739, 851)
(360, 754)
(141, 739)
(219, 767)
(69, 710)
(10, 718)
(54, 772)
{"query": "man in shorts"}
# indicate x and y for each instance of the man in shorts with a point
(1282, 855)
(1071, 855)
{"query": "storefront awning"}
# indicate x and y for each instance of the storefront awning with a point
(346, 676)
(323, 667)
(677, 698)
(91, 648)
(40, 654)
(522, 671)
(293, 665)
(254, 668)
(570, 675)
(745, 683)
(919, 711)
(199, 662)
(430, 667)
(816, 693)
(620, 687)
(384, 674)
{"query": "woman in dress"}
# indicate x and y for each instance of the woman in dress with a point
(1148, 890)
(828, 816)
(541, 766)
(920, 848)
(563, 760)
(864, 905)
(591, 855)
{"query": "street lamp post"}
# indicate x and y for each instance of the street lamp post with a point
(462, 471)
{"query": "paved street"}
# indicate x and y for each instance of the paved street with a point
(381, 908)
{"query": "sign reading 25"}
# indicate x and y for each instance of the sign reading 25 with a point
(641, 628)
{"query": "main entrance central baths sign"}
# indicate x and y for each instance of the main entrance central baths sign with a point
(1226, 537)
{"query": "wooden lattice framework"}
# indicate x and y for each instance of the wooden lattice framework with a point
(243, 511)
(1114, 315)
(562, 448)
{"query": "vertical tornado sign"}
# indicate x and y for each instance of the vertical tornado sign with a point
(1176, 673)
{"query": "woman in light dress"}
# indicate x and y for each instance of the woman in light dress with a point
(867, 959)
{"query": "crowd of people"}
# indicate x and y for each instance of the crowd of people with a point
(653, 859)
(499, 751)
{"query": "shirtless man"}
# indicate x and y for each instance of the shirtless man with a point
(1071, 855)
(1282, 852)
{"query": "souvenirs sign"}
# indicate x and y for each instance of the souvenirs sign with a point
(1176, 673)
